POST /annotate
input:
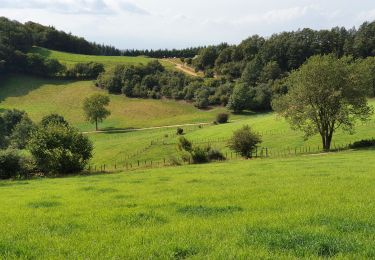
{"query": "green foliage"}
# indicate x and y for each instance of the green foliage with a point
(60, 149)
(22, 132)
(184, 144)
(244, 141)
(54, 119)
(363, 144)
(15, 129)
(364, 42)
(94, 108)
(201, 98)
(206, 58)
(215, 155)
(222, 118)
(179, 131)
(197, 154)
(11, 164)
(238, 101)
(11, 118)
(325, 94)
(89, 70)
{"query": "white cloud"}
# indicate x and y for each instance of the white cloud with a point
(75, 6)
(177, 23)
(367, 15)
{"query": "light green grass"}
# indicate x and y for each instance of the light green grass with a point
(302, 207)
(70, 59)
(39, 97)
(278, 138)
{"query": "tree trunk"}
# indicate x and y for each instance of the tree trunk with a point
(326, 140)
(96, 124)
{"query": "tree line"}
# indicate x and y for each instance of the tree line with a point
(16, 39)
(164, 53)
(153, 81)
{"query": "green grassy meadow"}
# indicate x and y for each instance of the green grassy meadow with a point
(40, 97)
(159, 144)
(310, 206)
(305, 207)
(70, 59)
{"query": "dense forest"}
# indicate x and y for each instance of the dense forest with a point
(248, 75)
(174, 53)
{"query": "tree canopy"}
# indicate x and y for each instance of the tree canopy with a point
(95, 108)
(325, 94)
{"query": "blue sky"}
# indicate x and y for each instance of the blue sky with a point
(154, 24)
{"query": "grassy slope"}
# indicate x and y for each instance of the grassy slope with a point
(108, 61)
(276, 134)
(40, 97)
(289, 208)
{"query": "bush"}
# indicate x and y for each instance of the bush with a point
(22, 132)
(54, 119)
(60, 149)
(184, 144)
(11, 165)
(199, 155)
(362, 144)
(215, 155)
(179, 131)
(244, 141)
(222, 118)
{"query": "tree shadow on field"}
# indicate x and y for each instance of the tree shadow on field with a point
(18, 85)
(252, 113)
(116, 130)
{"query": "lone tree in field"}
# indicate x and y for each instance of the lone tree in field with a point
(95, 108)
(244, 141)
(325, 94)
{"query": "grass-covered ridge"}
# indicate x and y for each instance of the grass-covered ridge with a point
(39, 97)
(303, 207)
(70, 59)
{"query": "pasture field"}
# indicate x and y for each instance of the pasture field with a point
(301, 207)
(159, 144)
(39, 97)
(70, 59)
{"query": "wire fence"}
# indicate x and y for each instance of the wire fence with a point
(258, 153)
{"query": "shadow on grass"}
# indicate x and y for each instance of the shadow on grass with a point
(252, 113)
(18, 85)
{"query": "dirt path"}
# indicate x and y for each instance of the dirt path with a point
(183, 68)
(141, 129)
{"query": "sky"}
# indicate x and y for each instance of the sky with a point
(153, 24)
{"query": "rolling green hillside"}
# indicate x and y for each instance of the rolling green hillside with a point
(160, 144)
(39, 97)
(304, 207)
(108, 61)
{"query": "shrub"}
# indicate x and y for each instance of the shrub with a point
(22, 132)
(10, 164)
(174, 161)
(54, 119)
(184, 144)
(362, 144)
(244, 141)
(199, 155)
(179, 131)
(215, 155)
(222, 118)
(60, 149)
